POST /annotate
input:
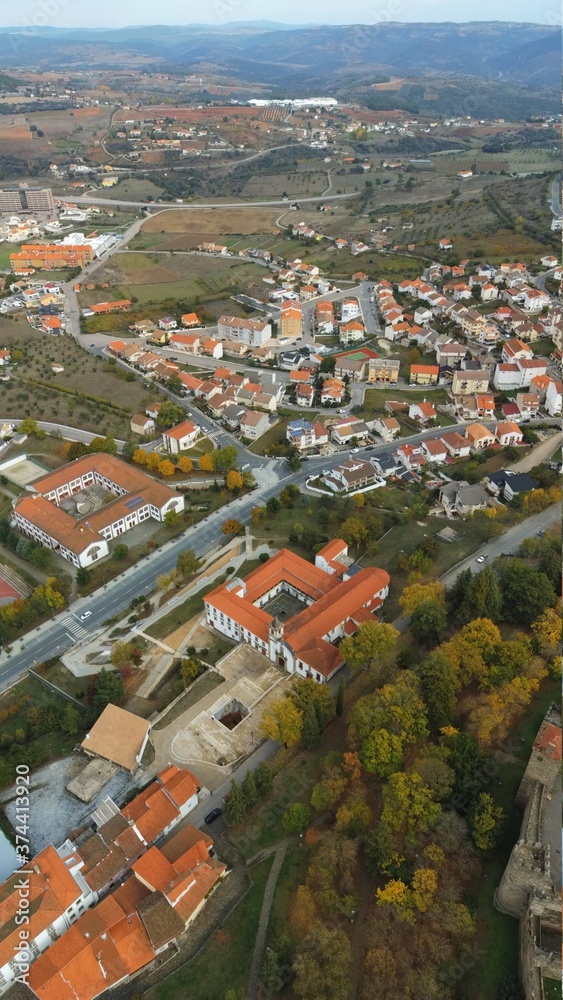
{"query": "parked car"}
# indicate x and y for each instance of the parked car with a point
(481, 559)
(213, 815)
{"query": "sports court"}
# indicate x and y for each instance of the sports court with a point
(359, 354)
(284, 606)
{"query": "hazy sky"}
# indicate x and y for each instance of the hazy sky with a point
(117, 13)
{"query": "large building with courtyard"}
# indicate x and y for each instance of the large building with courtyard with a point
(294, 612)
(78, 509)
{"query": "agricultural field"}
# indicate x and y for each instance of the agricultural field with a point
(62, 130)
(83, 372)
(299, 183)
(153, 278)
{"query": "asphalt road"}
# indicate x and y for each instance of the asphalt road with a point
(196, 206)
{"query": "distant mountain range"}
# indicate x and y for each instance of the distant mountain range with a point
(285, 56)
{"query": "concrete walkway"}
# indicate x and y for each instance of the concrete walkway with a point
(259, 946)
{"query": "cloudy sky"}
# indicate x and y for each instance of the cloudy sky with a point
(118, 13)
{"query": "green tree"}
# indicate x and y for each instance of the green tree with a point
(264, 778)
(340, 698)
(71, 720)
(107, 689)
(83, 576)
(372, 641)
(121, 654)
(353, 531)
(322, 965)
(483, 597)
(409, 809)
(235, 806)
(526, 592)
(121, 551)
(28, 426)
(294, 463)
(438, 685)
(311, 731)
(273, 505)
(169, 414)
(296, 818)
(226, 458)
(428, 622)
(305, 691)
(485, 822)
(171, 518)
(188, 563)
(249, 790)
(387, 723)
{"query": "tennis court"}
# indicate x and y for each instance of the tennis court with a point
(361, 354)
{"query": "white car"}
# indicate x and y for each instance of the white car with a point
(85, 616)
(481, 559)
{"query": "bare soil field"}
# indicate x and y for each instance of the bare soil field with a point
(187, 114)
(15, 133)
(296, 184)
(211, 221)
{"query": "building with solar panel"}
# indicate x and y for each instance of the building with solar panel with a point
(79, 509)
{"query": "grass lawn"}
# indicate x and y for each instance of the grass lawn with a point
(224, 962)
(375, 399)
(179, 615)
(291, 876)
(198, 690)
(61, 677)
(551, 989)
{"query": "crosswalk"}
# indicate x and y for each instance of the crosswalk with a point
(72, 626)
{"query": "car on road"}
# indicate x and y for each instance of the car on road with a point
(541, 533)
(369, 448)
(355, 451)
(481, 559)
(213, 815)
(85, 616)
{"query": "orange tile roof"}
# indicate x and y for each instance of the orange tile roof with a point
(181, 430)
(508, 427)
(425, 370)
(154, 870)
(152, 812)
(477, 432)
(332, 549)
(335, 607)
(117, 735)
(549, 738)
(52, 889)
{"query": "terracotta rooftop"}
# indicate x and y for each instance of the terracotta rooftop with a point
(117, 736)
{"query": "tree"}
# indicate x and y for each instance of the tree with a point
(188, 563)
(163, 581)
(169, 414)
(175, 384)
(294, 463)
(420, 593)
(438, 776)
(185, 464)
(340, 698)
(189, 670)
(311, 732)
(28, 426)
(408, 806)
(273, 505)
(428, 622)
(264, 778)
(483, 597)
(326, 793)
(153, 461)
(249, 790)
(438, 684)
(547, 630)
(322, 964)
(105, 445)
(372, 641)
(282, 721)
(107, 688)
(121, 654)
(305, 691)
(171, 518)
(526, 592)
(121, 551)
(226, 458)
(235, 807)
(71, 720)
(485, 822)
(205, 463)
(353, 531)
(140, 456)
(83, 576)
(387, 723)
(166, 468)
(231, 526)
(233, 480)
(296, 818)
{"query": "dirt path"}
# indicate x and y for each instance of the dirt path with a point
(258, 954)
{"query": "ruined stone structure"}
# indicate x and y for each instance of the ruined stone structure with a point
(530, 888)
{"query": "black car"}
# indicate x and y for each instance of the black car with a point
(369, 448)
(213, 815)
